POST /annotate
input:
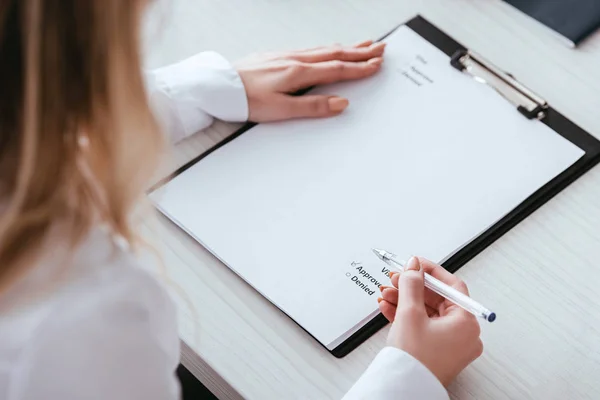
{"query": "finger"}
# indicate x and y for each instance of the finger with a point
(432, 299)
(431, 312)
(312, 106)
(314, 49)
(477, 350)
(440, 272)
(365, 43)
(336, 71)
(450, 309)
(390, 294)
(411, 287)
(394, 276)
(331, 53)
(388, 310)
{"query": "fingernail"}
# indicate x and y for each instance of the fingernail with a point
(379, 299)
(382, 288)
(413, 264)
(392, 274)
(378, 45)
(375, 61)
(337, 104)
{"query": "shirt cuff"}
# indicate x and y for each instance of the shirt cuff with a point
(204, 85)
(395, 374)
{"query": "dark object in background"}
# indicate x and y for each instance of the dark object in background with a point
(191, 388)
(573, 20)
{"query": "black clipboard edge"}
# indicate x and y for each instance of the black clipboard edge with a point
(554, 120)
(526, 208)
(571, 132)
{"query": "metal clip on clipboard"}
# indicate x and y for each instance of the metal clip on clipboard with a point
(528, 103)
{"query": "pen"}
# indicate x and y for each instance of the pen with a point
(439, 287)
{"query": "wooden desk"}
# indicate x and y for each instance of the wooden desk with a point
(542, 278)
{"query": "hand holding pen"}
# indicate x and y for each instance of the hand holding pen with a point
(441, 335)
(446, 291)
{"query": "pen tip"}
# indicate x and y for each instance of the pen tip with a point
(379, 253)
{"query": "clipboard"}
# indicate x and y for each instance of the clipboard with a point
(530, 106)
(527, 103)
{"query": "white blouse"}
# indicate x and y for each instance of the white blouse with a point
(105, 328)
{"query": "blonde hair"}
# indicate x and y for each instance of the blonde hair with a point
(78, 143)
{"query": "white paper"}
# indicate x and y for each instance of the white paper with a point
(422, 161)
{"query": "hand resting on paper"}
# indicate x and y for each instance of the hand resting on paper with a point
(443, 336)
(270, 79)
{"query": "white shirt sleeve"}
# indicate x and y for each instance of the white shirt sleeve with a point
(186, 96)
(396, 375)
(121, 344)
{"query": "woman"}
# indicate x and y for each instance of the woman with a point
(78, 145)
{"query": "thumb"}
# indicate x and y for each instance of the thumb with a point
(311, 106)
(411, 287)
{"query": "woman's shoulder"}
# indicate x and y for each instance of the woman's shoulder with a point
(98, 309)
(96, 277)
